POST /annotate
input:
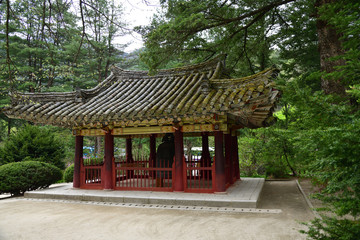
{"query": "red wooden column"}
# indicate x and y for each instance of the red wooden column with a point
(129, 157)
(178, 185)
(79, 141)
(236, 157)
(228, 159)
(220, 181)
(109, 155)
(205, 154)
(152, 159)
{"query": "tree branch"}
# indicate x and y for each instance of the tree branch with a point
(7, 45)
(248, 25)
(245, 52)
(261, 10)
(83, 31)
(106, 17)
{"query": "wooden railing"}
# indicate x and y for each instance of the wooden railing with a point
(91, 174)
(197, 177)
(139, 175)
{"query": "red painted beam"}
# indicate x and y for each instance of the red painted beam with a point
(108, 161)
(220, 181)
(152, 159)
(178, 184)
(77, 161)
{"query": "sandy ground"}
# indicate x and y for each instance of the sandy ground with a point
(30, 220)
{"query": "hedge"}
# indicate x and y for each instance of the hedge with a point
(69, 174)
(19, 177)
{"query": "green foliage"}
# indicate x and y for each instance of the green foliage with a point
(93, 161)
(355, 92)
(316, 135)
(248, 31)
(249, 154)
(267, 151)
(297, 40)
(19, 177)
(69, 173)
(2, 129)
(323, 133)
(330, 228)
(33, 143)
(337, 167)
(48, 50)
(344, 16)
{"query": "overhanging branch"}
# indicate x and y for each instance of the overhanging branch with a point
(260, 11)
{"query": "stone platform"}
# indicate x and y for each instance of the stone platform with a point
(243, 194)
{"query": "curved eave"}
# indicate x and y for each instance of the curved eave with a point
(130, 99)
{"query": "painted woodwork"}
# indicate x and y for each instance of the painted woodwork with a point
(178, 179)
(152, 154)
(79, 141)
(108, 161)
(220, 181)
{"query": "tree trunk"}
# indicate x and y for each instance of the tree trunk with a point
(188, 145)
(98, 144)
(9, 126)
(329, 46)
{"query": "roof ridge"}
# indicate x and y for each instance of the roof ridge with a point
(273, 71)
(211, 63)
(50, 96)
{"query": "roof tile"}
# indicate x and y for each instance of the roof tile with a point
(134, 97)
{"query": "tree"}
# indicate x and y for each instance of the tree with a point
(42, 47)
(33, 143)
(247, 31)
(319, 58)
(336, 163)
(101, 23)
(201, 29)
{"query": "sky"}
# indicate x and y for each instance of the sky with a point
(136, 12)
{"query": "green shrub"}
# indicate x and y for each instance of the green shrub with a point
(69, 174)
(35, 144)
(18, 177)
(276, 170)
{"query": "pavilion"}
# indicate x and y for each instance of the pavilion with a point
(198, 100)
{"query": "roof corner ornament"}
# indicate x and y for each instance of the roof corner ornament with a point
(204, 85)
(79, 95)
(115, 70)
(275, 72)
(15, 98)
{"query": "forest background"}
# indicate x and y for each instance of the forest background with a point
(61, 45)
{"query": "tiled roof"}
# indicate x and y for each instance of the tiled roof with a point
(192, 91)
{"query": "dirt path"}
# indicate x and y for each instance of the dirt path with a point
(23, 219)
